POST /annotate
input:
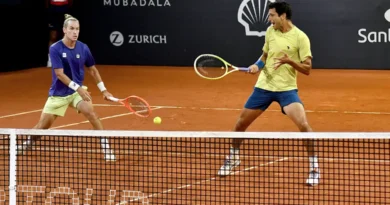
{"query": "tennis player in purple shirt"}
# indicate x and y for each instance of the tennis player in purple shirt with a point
(68, 57)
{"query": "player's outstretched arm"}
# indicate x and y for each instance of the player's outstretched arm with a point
(93, 71)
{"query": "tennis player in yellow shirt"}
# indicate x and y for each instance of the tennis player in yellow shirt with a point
(285, 53)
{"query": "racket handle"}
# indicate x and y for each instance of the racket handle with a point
(113, 99)
(243, 69)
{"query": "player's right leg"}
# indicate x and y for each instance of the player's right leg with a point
(86, 108)
(292, 106)
(54, 107)
(256, 104)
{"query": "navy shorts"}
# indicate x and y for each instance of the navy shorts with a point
(262, 99)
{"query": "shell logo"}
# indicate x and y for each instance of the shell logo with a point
(253, 15)
(387, 15)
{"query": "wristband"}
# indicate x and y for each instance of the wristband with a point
(260, 63)
(74, 86)
(101, 86)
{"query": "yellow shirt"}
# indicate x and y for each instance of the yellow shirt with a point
(296, 45)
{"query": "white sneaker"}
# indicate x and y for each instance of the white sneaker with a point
(27, 145)
(228, 166)
(109, 156)
(314, 177)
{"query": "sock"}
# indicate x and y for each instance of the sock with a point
(313, 162)
(105, 145)
(234, 153)
(29, 140)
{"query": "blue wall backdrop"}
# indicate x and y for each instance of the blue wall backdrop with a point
(353, 34)
(344, 34)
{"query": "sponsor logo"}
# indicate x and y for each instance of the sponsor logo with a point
(366, 36)
(137, 3)
(49, 194)
(117, 39)
(253, 15)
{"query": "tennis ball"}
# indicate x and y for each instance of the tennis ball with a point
(157, 120)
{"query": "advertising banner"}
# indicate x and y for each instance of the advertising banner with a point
(344, 34)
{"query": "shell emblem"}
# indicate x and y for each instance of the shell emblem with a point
(253, 15)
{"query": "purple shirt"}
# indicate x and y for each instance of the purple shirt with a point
(72, 61)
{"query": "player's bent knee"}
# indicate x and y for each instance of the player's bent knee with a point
(87, 110)
(84, 107)
(91, 115)
(42, 125)
(239, 125)
(45, 121)
(305, 127)
(246, 118)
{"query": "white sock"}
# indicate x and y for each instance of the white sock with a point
(313, 162)
(234, 153)
(28, 141)
(105, 144)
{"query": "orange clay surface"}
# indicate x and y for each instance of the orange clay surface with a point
(335, 101)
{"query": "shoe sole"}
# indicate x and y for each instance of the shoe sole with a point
(110, 158)
(230, 171)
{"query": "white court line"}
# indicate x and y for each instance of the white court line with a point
(34, 111)
(201, 182)
(221, 109)
(103, 118)
(86, 121)
(20, 113)
(238, 109)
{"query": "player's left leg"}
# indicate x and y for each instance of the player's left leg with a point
(55, 106)
(255, 105)
(292, 106)
(86, 108)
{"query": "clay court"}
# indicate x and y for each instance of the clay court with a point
(335, 100)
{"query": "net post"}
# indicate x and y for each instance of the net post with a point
(12, 167)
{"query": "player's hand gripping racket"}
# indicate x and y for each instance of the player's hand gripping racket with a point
(213, 67)
(135, 105)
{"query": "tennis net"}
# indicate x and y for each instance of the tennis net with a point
(175, 167)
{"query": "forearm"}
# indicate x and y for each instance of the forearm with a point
(262, 60)
(98, 79)
(301, 67)
(96, 75)
(64, 78)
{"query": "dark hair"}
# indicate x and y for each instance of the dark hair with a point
(281, 7)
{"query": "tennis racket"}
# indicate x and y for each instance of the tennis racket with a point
(213, 67)
(135, 105)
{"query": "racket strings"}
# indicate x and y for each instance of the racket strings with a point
(138, 106)
(211, 67)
